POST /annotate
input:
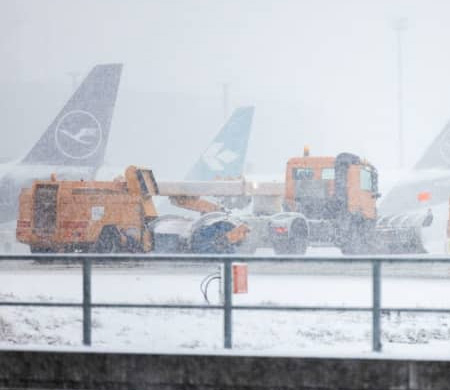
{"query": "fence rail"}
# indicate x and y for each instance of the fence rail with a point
(227, 307)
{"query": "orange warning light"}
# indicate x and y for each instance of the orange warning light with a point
(306, 151)
(423, 196)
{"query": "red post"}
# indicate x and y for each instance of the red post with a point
(240, 278)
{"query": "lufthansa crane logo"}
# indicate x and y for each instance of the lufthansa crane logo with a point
(444, 146)
(216, 157)
(78, 134)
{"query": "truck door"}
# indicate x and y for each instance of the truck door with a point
(45, 212)
(362, 190)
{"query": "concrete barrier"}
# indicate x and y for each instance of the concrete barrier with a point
(98, 370)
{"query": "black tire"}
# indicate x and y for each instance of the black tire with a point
(281, 247)
(40, 249)
(108, 241)
(352, 244)
(297, 241)
(357, 237)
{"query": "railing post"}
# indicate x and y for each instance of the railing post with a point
(86, 301)
(227, 315)
(376, 306)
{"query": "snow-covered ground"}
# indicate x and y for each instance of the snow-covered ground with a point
(289, 332)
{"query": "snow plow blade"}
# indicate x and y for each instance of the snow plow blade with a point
(217, 233)
(402, 240)
(401, 233)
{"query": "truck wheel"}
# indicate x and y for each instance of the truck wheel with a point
(298, 240)
(296, 243)
(352, 245)
(108, 241)
(40, 249)
(281, 248)
(355, 242)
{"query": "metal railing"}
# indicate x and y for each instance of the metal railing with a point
(87, 305)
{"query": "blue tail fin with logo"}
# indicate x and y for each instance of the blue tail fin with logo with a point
(225, 156)
(79, 133)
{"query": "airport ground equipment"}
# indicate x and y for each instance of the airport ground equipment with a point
(324, 201)
(119, 216)
(331, 201)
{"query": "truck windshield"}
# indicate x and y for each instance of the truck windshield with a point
(327, 174)
(366, 181)
(302, 174)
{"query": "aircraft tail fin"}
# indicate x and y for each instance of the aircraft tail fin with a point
(225, 156)
(438, 154)
(79, 133)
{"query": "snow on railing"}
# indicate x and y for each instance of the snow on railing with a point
(87, 305)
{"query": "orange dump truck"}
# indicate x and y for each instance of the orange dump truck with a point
(116, 216)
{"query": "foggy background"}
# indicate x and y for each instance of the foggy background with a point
(322, 73)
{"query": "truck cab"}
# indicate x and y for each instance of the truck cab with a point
(328, 187)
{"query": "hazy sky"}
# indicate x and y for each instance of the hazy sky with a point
(320, 72)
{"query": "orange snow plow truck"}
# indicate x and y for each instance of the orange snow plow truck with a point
(114, 216)
(331, 201)
(66, 216)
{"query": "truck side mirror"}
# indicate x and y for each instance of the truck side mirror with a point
(428, 220)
